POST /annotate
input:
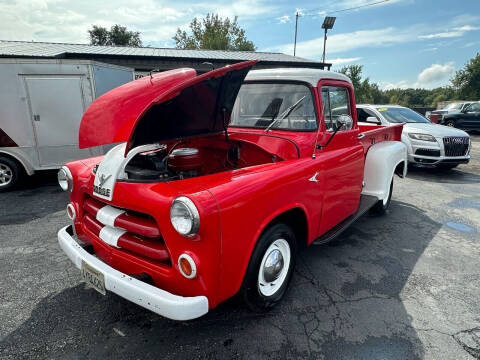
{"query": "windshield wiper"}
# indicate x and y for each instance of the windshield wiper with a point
(283, 115)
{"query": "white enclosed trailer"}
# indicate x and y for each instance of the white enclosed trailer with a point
(41, 105)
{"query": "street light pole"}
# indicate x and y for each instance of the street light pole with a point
(327, 24)
(324, 45)
(295, 43)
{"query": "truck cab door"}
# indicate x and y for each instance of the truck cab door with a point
(342, 158)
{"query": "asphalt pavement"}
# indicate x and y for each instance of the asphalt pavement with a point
(402, 286)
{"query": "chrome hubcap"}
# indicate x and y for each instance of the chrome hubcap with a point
(6, 175)
(274, 267)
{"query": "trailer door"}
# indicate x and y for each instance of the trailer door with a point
(56, 106)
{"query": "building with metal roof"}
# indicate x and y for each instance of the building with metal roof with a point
(145, 59)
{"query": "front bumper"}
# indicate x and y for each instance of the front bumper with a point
(150, 297)
(436, 148)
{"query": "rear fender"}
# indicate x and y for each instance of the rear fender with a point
(380, 164)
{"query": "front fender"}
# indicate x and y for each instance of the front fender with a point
(380, 164)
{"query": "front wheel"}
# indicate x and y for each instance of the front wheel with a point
(381, 206)
(450, 123)
(270, 268)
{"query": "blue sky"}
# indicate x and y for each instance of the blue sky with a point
(401, 43)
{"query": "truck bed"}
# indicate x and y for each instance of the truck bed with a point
(376, 133)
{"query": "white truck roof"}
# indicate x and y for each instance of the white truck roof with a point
(311, 76)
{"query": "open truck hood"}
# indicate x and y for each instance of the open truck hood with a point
(169, 105)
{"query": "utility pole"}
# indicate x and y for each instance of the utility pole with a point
(295, 42)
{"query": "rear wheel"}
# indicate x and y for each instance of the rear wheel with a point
(381, 206)
(270, 268)
(10, 174)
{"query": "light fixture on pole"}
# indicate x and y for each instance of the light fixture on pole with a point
(327, 24)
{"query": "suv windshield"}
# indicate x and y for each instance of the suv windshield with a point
(454, 106)
(401, 115)
(259, 104)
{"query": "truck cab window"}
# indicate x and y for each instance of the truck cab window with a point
(336, 103)
(289, 106)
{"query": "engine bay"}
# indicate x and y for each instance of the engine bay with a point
(195, 157)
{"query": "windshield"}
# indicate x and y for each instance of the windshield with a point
(401, 115)
(258, 105)
(454, 106)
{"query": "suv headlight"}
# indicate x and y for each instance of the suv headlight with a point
(65, 179)
(422, 137)
(184, 216)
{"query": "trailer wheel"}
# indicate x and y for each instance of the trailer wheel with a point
(270, 268)
(381, 206)
(10, 174)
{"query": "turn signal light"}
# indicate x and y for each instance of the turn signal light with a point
(71, 212)
(187, 266)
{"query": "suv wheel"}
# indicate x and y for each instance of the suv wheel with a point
(270, 268)
(450, 123)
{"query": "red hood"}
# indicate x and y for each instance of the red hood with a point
(168, 105)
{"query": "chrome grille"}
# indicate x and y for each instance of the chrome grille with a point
(456, 145)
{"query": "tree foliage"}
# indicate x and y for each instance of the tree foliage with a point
(467, 80)
(213, 33)
(467, 87)
(117, 35)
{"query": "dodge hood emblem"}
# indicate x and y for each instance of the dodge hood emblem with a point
(102, 179)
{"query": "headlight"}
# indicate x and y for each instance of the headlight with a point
(423, 137)
(184, 216)
(65, 179)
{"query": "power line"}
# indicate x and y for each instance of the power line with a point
(347, 9)
(297, 14)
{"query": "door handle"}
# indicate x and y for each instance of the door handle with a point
(360, 136)
(36, 117)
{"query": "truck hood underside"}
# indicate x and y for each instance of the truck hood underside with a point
(170, 105)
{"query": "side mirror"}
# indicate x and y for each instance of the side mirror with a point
(373, 120)
(346, 121)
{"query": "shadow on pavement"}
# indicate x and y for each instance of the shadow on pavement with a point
(344, 303)
(458, 175)
(38, 196)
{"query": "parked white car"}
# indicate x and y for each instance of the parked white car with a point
(427, 143)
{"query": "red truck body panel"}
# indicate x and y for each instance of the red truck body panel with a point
(323, 184)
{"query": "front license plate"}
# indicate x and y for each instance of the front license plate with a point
(93, 278)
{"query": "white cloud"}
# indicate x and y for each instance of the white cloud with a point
(434, 76)
(284, 19)
(455, 32)
(69, 20)
(338, 43)
(342, 61)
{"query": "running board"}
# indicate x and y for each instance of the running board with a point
(366, 203)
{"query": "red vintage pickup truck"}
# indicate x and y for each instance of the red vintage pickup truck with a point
(217, 180)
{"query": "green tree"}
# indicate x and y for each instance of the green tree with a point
(365, 91)
(467, 80)
(213, 33)
(117, 35)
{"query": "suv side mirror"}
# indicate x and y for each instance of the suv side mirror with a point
(373, 120)
(346, 121)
